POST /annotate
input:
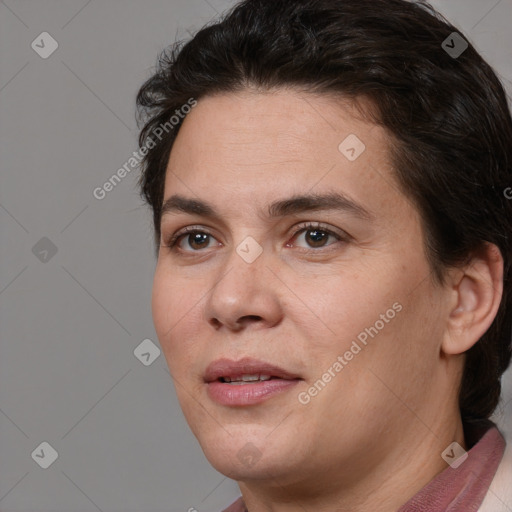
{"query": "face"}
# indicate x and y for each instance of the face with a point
(333, 300)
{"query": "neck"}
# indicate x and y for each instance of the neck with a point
(384, 483)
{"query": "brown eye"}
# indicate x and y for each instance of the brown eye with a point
(316, 237)
(196, 240)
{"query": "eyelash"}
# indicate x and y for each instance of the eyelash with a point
(172, 242)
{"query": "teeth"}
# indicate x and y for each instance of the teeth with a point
(247, 378)
(250, 378)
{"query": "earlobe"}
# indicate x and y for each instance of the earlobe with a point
(478, 295)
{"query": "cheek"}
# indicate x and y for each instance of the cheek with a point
(161, 304)
(375, 309)
(401, 359)
(171, 309)
(342, 305)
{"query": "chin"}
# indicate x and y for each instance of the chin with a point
(245, 456)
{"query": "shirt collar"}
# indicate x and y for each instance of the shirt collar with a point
(463, 487)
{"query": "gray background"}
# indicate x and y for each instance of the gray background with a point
(70, 321)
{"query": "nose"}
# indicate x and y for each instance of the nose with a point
(244, 295)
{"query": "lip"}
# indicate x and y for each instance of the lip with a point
(250, 393)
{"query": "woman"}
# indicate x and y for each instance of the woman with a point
(332, 291)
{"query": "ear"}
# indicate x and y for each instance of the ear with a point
(478, 288)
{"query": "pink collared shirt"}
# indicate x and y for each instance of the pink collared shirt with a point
(460, 489)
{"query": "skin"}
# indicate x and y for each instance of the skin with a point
(373, 437)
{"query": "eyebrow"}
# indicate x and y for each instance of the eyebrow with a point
(290, 206)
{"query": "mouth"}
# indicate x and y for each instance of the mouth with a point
(245, 371)
(247, 381)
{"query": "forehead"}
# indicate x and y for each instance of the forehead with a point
(248, 147)
(270, 125)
